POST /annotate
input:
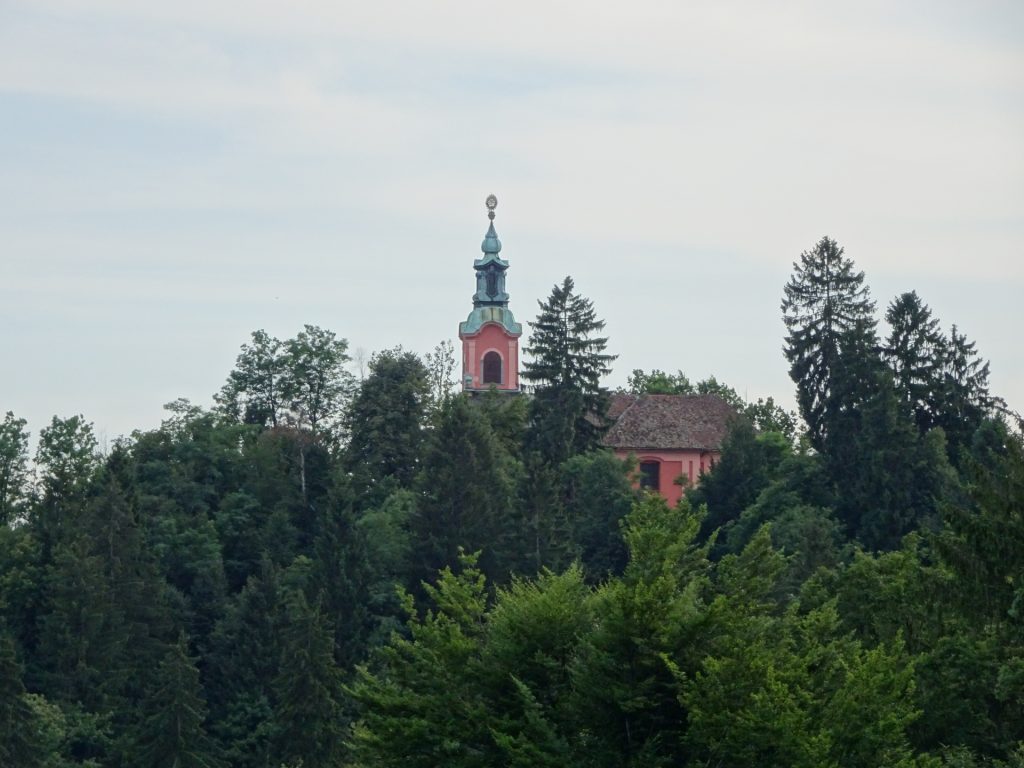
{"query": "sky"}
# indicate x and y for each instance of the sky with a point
(176, 175)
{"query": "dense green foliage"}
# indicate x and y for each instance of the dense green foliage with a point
(321, 572)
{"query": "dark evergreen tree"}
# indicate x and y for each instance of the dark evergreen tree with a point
(386, 424)
(138, 613)
(749, 463)
(568, 363)
(545, 519)
(823, 300)
(598, 495)
(308, 721)
(20, 739)
(467, 497)
(241, 666)
(508, 418)
(171, 731)
(964, 399)
(390, 561)
(239, 521)
(798, 504)
(82, 633)
(555, 415)
(915, 351)
(983, 537)
(341, 575)
(291, 480)
(888, 477)
(23, 592)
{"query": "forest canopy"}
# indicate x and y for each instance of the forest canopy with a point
(322, 569)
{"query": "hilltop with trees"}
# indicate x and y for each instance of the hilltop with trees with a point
(322, 571)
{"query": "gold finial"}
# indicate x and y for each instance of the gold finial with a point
(492, 203)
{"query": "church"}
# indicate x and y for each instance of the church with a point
(675, 438)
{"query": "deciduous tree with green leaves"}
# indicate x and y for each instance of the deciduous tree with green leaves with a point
(254, 392)
(441, 364)
(317, 384)
(14, 472)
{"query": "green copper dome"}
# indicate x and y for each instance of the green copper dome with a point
(491, 243)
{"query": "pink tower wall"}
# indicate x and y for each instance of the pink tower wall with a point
(491, 336)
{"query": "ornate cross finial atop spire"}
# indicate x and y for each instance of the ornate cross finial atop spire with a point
(492, 203)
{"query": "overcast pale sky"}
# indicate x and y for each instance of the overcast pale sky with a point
(175, 175)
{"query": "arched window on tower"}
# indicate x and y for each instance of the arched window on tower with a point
(492, 368)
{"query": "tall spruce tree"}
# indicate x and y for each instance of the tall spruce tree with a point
(82, 634)
(964, 400)
(568, 362)
(824, 299)
(240, 667)
(308, 687)
(171, 732)
(138, 624)
(888, 476)
(915, 351)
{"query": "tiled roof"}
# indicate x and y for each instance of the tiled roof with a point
(666, 422)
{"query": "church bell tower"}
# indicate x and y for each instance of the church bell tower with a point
(490, 335)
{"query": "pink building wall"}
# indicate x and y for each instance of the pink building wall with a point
(689, 464)
(491, 336)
